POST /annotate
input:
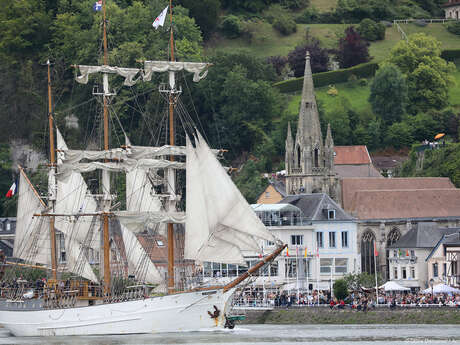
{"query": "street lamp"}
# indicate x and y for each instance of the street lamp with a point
(432, 284)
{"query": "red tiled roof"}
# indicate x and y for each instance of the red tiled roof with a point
(352, 185)
(418, 203)
(351, 155)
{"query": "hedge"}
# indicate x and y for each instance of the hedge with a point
(364, 70)
(451, 54)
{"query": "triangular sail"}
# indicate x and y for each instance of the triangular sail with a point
(231, 226)
(32, 241)
(140, 198)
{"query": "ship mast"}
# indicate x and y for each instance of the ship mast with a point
(105, 173)
(171, 172)
(52, 180)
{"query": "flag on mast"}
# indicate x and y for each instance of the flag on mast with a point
(376, 253)
(160, 20)
(97, 5)
(305, 254)
(11, 191)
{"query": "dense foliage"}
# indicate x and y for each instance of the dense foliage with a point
(319, 58)
(353, 50)
(370, 30)
(389, 94)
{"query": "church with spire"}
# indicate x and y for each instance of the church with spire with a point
(309, 161)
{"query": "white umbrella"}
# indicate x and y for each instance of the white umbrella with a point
(441, 288)
(393, 286)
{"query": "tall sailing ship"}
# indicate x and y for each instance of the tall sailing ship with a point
(219, 227)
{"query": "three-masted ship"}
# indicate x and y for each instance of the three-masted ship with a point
(219, 227)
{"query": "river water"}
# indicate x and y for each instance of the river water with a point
(273, 334)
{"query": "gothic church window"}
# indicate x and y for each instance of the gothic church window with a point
(367, 252)
(298, 157)
(316, 157)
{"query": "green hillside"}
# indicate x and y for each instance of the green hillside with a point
(268, 42)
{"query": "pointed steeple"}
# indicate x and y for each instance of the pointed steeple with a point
(329, 141)
(309, 128)
(288, 158)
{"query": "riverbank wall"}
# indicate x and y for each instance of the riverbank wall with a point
(381, 315)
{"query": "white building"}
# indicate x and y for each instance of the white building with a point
(452, 9)
(407, 256)
(310, 224)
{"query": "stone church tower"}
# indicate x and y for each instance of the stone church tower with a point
(310, 162)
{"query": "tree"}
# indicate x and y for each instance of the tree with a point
(428, 75)
(278, 63)
(357, 281)
(399, 135)
(370, 30)
(388, 96)
(353, 50)
(340, 289)
(319, 58)
(206, 14)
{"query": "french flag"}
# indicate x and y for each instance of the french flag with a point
(11, 191)
(97, 5)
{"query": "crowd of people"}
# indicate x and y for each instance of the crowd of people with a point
(360, 301)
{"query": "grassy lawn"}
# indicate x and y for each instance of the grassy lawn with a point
(357, 96)
(454, 91)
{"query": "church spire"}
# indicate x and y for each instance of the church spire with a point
(309, 128)
(329, 141)
(288, 158)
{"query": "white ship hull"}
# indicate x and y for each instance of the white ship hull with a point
(172, 313)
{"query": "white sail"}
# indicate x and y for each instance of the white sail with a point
(232, 226)
(199, 69)
(32, 240)
(76, 261)
(128, 73)
(139, 262)
(80, 233)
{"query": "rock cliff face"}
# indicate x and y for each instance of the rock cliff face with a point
(26, 156)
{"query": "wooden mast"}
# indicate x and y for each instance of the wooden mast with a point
(105, 217)
(171, 284)
(53, 172)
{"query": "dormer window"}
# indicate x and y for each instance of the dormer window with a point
(330, 214)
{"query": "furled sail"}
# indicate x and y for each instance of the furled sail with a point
(128, 73)
(220, 223)
(32, 240)
(199, 69)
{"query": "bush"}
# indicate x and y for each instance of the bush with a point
(365, 70)
(231, 26)
(454, 27)
(363, 82)
(370, 30)
(332, 91)
(296, 4)
(310, 15)
(421, 23)
(451, 54)
(285, 25)
(340, 289)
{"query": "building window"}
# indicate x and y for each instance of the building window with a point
(403, 273)
(395, 253)
(331, 239)
(435, 270)
(444, 270)
(395, 273)
(269, 243)
(296, 240)
(160, 243)
(367, 252)
(412, 253)
(412, 272)
(341, 265)
(306, 267)
(330, 214)
(274, 269)
(325, 266)
(267, 194)
(319, 239)
(8, 226)
(344, 239)
(291, 268)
